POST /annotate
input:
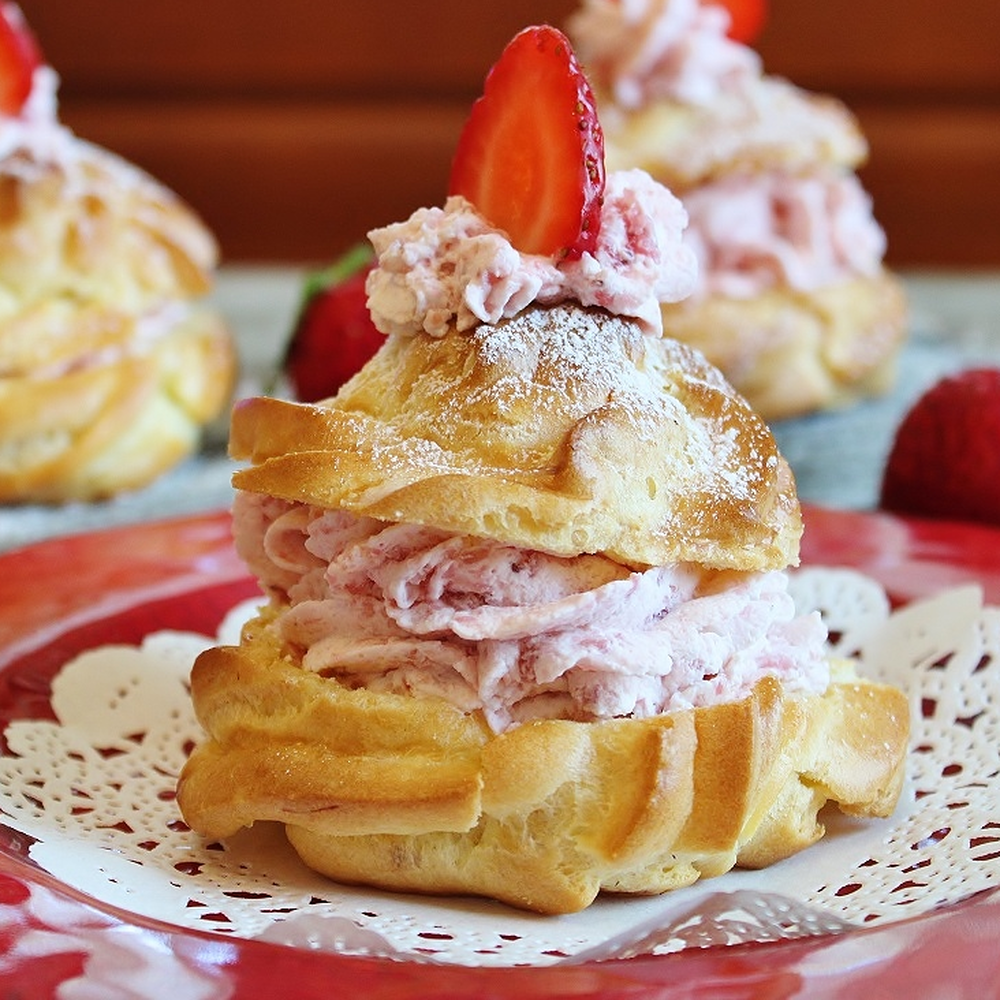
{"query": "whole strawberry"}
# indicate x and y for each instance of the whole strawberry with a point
(334, 334)
(945, 460)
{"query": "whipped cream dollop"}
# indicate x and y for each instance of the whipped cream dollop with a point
(519, 634)
(33, 141)
(639, 51)
(752, 227)
(35, 129)
(449, 264)
(774, 229)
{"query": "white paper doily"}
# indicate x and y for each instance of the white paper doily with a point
(95, 792)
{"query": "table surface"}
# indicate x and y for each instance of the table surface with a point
(837, 457)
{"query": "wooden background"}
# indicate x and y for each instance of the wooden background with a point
(294, 127)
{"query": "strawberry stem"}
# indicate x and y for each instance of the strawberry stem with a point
(349, 263)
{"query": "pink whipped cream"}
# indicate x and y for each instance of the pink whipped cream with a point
(36, 129)
(449, 264)
(640, 51)
(518, 634)
(34, 140)
(750, 232)
(775, 229)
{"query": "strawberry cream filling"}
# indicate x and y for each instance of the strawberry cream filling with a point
(750, 232)
(450, 264)
(642, 51)
(514, 633)
(777, 229)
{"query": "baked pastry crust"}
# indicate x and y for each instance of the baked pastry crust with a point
(412, 794)
(109, 368)
(563, 429)
(91, 432)
(790, 352)
(546, 431)
(769, 125)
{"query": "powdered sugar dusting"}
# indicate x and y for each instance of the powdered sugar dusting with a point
(575, 393)
(575, 354)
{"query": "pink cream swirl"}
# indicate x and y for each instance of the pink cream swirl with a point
(449, 264)
(35, 130)
(640, 51)
(514, 633)
(780, 230)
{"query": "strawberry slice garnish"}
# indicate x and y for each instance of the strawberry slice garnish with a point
(747, 18)
(19, 57)
(334, 334)
(531, 155)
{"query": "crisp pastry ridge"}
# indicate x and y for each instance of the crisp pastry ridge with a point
(508, 432)
(413, 794)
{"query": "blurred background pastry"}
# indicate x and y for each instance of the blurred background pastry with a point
(109, 365)
(793, 302)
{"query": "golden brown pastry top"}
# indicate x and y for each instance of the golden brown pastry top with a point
(87, 245)
(563, 429)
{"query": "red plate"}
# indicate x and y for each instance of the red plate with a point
(66, 595)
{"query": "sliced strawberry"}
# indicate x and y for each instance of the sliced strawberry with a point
(19, 57)
(747, 18)
(531, 155)
(334, 335)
